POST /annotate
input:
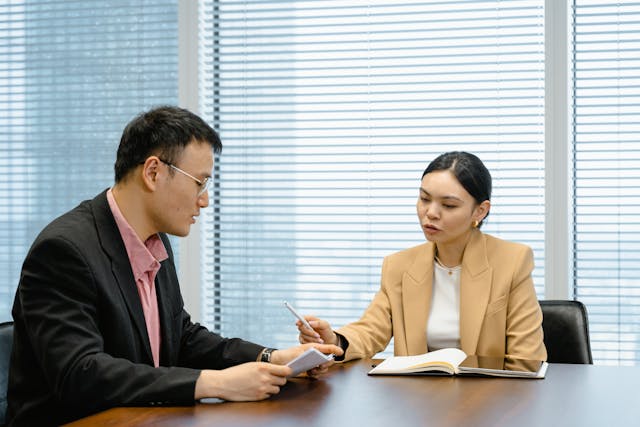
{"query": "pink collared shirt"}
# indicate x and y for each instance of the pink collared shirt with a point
(145, 262)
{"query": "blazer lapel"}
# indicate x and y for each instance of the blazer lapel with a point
(475, 288)
(113, 246)
(417, 285)
(166, 275)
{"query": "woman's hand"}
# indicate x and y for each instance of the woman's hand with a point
(321, 333)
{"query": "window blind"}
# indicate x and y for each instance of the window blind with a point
(72, 74)
(329, 111)
(606, 138)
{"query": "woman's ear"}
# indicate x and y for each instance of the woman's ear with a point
(481, 211)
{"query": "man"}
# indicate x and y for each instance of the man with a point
(99, 318)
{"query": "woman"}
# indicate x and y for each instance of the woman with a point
(462, 288)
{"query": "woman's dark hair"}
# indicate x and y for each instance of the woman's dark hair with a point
(470, 172)
(163, 131)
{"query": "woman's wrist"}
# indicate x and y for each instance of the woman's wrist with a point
(343, 343)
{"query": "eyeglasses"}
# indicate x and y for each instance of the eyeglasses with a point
(203, 184)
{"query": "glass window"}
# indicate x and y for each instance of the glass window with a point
(329, 112)
(606, 141)
(72, 74)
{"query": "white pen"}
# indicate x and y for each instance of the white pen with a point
(300, 318)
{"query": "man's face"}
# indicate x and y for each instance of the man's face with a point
(178, 203)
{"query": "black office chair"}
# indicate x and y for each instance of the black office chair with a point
(566, 331)
(6, 342)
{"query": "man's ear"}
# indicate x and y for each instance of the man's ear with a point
(150, 173)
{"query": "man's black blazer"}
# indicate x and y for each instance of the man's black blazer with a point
(80, 339)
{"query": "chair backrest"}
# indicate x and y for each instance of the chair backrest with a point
(566, 331)
(6, 342)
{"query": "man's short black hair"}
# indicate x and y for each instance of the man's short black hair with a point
(164, 132)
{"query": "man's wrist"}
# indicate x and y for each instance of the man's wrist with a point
(265, 355)
(205, 384)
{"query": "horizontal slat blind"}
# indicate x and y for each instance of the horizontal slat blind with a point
(72, 74)
(607, 175)
(329, 112)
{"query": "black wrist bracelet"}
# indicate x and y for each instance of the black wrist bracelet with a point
(266, 355)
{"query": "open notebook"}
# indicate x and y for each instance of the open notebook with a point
(453, 361)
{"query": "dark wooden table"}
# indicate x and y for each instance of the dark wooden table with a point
(570, 395)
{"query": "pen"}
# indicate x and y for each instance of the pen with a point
(300, 318)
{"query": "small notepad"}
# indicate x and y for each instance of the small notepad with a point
(308, 360)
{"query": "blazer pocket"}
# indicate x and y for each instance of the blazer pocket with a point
(497, 305)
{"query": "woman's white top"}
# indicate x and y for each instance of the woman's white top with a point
(443, 325)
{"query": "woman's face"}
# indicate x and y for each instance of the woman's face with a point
(446, 210)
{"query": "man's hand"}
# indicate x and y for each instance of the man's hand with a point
(282, 357)
(246, 382)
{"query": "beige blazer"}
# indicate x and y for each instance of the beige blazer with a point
(499, 310)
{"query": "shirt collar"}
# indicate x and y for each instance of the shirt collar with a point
(143, 257)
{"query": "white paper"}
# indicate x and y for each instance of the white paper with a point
(446, 360)
(308, 360)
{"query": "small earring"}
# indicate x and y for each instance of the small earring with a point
(475, 224)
